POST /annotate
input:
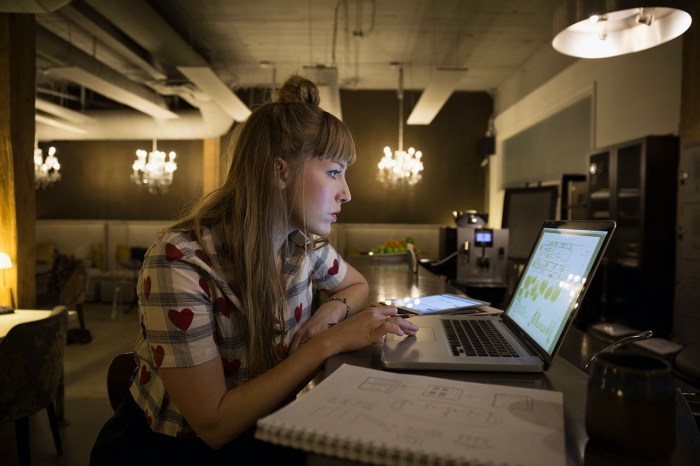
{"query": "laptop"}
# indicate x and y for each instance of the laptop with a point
(530, 330)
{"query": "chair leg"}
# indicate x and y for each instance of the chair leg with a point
(22, 434)
(53, 422)
(81, 317)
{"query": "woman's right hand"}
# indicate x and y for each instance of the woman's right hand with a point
(367, 327)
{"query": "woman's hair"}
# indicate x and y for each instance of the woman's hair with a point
(250, 208)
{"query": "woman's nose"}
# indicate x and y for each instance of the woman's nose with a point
(345, 195)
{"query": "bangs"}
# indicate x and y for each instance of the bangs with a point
(335, 141)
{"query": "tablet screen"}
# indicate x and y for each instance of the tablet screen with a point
(439, 303)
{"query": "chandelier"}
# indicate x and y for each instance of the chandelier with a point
(46, 171)
(401, 166)
(153, 170)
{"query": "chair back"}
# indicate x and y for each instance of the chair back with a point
(31, 362)
(119, 376)
(74, 289)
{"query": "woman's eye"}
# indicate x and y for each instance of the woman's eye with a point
(334, 173)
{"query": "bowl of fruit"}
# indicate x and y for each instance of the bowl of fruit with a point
(392, 250)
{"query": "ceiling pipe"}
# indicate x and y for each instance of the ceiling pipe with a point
(210, 121)
(32, 6)
(154, 34)
(143, 24)
(62, 53)
(95, 24)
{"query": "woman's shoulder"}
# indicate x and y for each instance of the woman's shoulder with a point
(183, 239)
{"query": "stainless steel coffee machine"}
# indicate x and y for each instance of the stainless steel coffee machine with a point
(482, 256)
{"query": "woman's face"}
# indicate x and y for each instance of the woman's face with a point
(319, 196)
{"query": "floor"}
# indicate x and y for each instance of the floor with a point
(86, 403)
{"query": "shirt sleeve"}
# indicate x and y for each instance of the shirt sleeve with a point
(328, 268)
(177, 314)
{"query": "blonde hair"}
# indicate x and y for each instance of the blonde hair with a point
(249, 208)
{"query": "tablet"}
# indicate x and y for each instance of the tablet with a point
(443, 303)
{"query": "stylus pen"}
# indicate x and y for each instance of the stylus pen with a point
(403, 315)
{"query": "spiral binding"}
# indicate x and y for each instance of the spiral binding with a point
(381, 454)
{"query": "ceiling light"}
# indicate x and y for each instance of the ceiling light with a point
(46, 171)
(153, 170)
(607, 28)
(207, 81)
(400, 166)
(434, 96)
(146, 101)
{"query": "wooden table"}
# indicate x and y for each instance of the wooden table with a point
(394, 279)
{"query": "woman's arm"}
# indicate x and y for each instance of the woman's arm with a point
(219, 415)
(351, 293)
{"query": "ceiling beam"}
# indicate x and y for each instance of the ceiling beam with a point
(441, 86)
(208, 82)
(61, 112)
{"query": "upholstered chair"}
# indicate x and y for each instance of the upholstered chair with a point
(31, 362)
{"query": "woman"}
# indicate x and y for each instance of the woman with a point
(225, 295)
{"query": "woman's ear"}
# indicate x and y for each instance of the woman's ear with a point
(282, 168)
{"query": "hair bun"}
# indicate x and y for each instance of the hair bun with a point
(299, 89)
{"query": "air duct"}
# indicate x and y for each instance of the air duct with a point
(209, 122)
(31, 6)
(120, 88)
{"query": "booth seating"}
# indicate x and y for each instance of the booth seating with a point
(110, 250)
(83, 240)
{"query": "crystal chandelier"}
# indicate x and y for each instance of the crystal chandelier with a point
(401, 166)
(46, 171)
(153, 170)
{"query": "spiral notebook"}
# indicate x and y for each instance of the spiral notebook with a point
(390, 418)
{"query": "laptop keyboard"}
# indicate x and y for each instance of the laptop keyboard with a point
(476, 338)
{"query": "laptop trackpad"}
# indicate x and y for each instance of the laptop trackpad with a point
(424, 334)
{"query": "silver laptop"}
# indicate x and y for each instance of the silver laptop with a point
(529, 332)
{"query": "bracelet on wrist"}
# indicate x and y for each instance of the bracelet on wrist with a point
(344, 301)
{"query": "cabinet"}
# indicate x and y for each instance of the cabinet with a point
(635, 184)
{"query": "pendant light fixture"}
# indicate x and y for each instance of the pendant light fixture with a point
(400, 166)
(607, 28)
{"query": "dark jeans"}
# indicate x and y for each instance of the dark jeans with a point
(126, 439)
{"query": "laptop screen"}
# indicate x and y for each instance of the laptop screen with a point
(550, 285)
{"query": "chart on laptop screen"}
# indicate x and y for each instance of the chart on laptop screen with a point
(552, 281)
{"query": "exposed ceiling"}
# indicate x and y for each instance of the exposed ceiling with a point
(184, 59)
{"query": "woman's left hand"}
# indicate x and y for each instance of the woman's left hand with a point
(321, 320)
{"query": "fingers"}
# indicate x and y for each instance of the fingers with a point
(404, 325)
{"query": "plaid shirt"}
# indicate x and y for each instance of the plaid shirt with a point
(189, 315)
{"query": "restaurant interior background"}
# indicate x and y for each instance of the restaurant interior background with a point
(546, 115)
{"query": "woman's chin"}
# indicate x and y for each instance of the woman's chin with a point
(321, 230)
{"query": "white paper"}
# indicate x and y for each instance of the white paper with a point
(379, 415)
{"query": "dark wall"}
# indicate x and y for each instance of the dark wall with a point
(452, 178)
(95, 180)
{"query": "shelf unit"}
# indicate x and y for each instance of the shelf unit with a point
(635, 184)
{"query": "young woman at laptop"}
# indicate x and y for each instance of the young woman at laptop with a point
(228, 333)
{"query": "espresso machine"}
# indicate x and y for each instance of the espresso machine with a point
(482, 256)
(481, 264)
